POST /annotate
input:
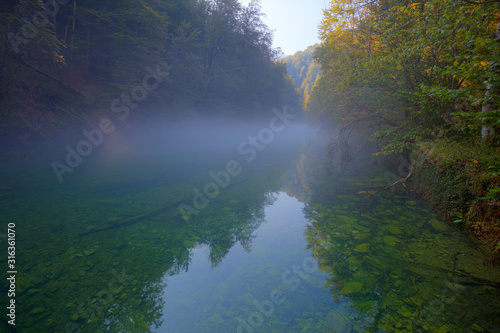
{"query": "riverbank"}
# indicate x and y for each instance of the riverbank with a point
(461, 181)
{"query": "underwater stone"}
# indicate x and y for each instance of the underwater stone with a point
(391, 240)
(37, 310)
(89, 252)
(363, 248)
(438, 225)
(216, 319)
(477, 328)
(351, 287)
(374, 262)
(346, 219)
(405, 313)
(394, 230)
(335, 322)
(353, 261)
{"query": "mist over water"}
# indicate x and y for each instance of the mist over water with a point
(203, 225)
(176, 140)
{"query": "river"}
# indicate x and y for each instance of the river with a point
(228, 228)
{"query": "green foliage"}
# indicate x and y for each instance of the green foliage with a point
(409, 69)
(218, 53)
(462, 180)
(303, 70)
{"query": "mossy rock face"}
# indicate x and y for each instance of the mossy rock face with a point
(363, 248)
(351, 287)
(391, 240)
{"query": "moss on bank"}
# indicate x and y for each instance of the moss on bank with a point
(461, 180)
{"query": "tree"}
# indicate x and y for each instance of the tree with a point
(409, 69)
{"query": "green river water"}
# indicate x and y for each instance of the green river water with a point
(285, 244)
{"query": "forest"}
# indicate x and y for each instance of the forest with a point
(303, 70)
(420, 77)
(66, 62)
(166, 168)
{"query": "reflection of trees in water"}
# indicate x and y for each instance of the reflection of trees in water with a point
(348, 279)
(372, 271)
(125, 317)
(224, 223)
(395, 267)
(328, 166)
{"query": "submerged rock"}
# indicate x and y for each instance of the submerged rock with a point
(477, 328)
(394, 230)
(37, 310)
(216, 319)
(363, 248)
(335, 321)
(351, 287)
(346, 219)
(391, 240)
(438, 225)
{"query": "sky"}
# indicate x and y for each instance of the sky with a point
(294, 22)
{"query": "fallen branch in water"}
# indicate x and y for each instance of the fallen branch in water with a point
(128, 221)
(122, 223)
(402, 180)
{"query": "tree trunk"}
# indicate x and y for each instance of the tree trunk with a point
(487, 132)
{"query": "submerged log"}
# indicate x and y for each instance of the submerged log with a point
(135, 219)
(131, 220)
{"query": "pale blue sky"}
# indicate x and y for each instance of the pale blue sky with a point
(295, 22)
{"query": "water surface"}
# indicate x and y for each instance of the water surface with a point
(289, 244)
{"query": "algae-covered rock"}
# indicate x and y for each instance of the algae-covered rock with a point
(374, 262)
(89, 252)
(438, 225)
(37, 310)
(391, 240)
(363, 248)
(346, 219)
(334, 322)
(216, 319)
(315, 282)
(353, 261)
(477, 328)
(351, 287)
(394, 230)
(405, 312)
